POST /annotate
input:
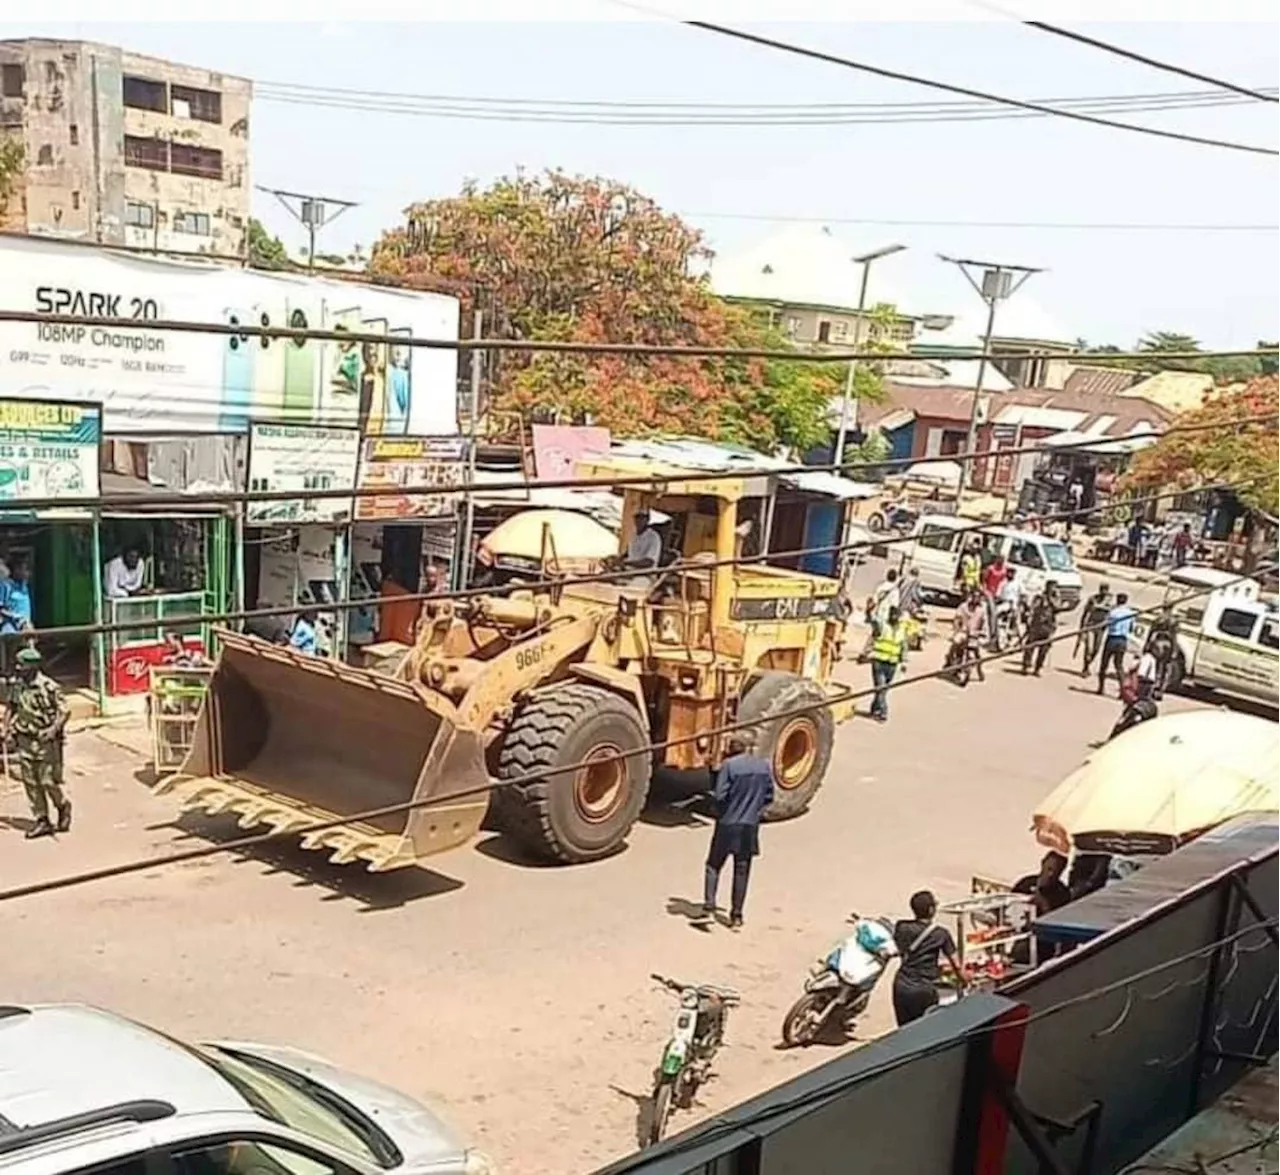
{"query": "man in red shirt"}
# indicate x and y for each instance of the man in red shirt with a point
(993, 577)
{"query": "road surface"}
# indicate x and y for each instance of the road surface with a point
(517, 997)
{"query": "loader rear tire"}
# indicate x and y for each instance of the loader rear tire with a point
(578, 815)
(798, 745)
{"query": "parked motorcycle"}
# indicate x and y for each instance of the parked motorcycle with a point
(1008, 633)
(696, 1037)
(839, 986)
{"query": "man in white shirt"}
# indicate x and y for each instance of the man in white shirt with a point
(887, 594)
(644, 551)
(124, 575)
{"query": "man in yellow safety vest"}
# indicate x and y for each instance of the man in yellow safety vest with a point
(886, 650)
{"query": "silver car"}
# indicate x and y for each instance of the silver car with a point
(85, 1091)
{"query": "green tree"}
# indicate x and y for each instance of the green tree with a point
(558, 257)
(11, 167)
(266, 251)
(1267, 363)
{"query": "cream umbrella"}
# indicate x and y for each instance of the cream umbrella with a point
(1162, 783)
(569, 542)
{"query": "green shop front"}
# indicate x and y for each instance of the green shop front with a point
(51, 450)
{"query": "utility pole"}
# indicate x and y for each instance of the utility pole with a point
(997, 282)
(462, 578)
(847, 418)
(310, 211)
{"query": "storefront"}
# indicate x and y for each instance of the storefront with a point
(298, 551)
(397, 537)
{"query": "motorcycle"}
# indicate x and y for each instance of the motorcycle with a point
(1138, 711)
(961, 654)
(839, 986)
(1008, 633)
(696, 1037)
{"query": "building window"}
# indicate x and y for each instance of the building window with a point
(144, 94)
(202, 105)
(149, 153)
(12, 81)
(75, 201)
(201, 161)
(44, 157)
(824, 331)
(195, 223)
(793, 326)
(840, 330)
(73, 132)
(139, 215)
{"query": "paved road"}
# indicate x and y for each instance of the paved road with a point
(517, 997)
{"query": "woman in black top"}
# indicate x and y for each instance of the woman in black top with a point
(920, 942)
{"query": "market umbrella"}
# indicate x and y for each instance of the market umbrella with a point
(1163, 782)
(571, 541)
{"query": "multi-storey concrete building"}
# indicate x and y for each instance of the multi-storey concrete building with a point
(122, 149)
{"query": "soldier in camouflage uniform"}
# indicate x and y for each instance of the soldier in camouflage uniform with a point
(37, 719)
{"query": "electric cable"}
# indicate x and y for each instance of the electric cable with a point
(529, 346)
(1142, 59)
(615, 576)
(234, 497)
(758, 116)
(31, 889)
(1069, 225)
(967, 92)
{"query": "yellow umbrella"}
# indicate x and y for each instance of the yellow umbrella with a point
(1164, 782)
(569, 541)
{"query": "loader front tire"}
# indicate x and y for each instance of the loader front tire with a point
(580, 814)
(797, 745)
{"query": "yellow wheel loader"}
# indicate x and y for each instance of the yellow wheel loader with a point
(501, 687)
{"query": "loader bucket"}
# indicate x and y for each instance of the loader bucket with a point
(287, 740)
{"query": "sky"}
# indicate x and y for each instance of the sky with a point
(1105, 285)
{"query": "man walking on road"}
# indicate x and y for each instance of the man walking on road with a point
(1041, 622)
(886, 650)
(1118, 628)
(1093, 619)
(38, 719)
(743, 790)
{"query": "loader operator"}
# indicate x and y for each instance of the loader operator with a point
(644, 551)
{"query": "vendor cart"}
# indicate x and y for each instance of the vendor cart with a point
(993, 934)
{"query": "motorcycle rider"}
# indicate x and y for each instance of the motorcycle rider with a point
(1009, 606)
(1136, 697)
(1162, 643)
(970, 633)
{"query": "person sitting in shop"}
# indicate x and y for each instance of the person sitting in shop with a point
(303, 637)
(125, 575)
(15, 598)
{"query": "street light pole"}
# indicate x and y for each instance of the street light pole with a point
(997, 283)
(846, 405)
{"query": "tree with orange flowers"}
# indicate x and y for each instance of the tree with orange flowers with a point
(1220, 449)
(556, 257)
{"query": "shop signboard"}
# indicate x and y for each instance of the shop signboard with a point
(151, 381)
(48, 449)
(301, 458)
(410, 464)
(557, 449)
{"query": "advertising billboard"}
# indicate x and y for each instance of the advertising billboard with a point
(48, 449)
(411, 464)
(152, 382)
(305, 458)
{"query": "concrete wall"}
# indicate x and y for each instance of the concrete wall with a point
(73, 122)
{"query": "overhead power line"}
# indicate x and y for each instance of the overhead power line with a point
(965, 91)
(181, 856)
(643, 113)
(1107, 47)
(554, 347)
(1090, 226)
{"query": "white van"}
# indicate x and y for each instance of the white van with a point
(1037, 558)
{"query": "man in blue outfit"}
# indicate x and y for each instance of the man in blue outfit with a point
(1118, 629)
(743, 790)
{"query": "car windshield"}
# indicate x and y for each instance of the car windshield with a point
(1058, 556)
(294, 1100)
